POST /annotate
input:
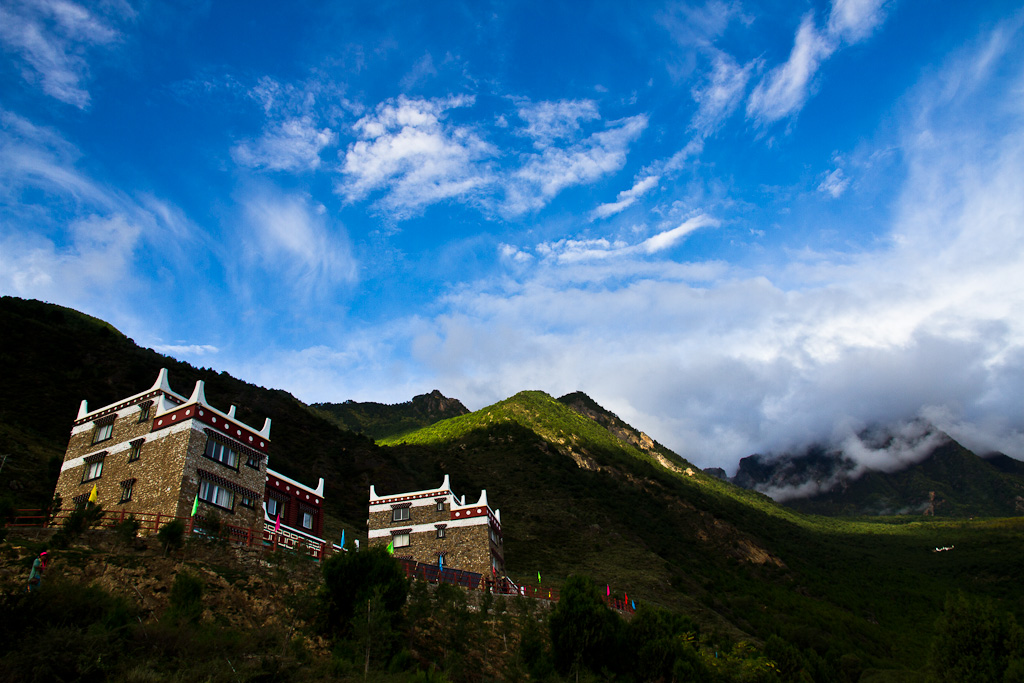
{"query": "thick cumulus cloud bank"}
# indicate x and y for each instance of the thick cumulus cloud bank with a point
(720, 361)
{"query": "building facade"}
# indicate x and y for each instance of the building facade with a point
(156, 452)
(437, 527)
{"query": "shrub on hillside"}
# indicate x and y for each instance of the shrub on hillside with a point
(171, 535)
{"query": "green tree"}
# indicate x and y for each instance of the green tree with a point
(351, 579)
(975, 643)
(585, 634)
(186, 599)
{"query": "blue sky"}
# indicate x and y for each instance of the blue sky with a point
(739, 225)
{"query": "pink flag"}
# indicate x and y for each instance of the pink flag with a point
(277, 525)
(608, 590)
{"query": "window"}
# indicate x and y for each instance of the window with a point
(135, 450)
(247, 501)
(400, 540)
(400, 514)
(216, 494)
(221, 453)
(275, 507)
(495, 538)
(103, 432)
(253, 461)
(144, 411)
(93, 470)
(440, 532)
(440, 506)
(126, 490)
(307, 520)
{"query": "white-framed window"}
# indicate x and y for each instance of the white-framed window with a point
(135, 450)
(440, 506)
(93, 470)
(440, 532)
(495, 538)
(215, 450)
(126, 490)
(401, 540)
(103, 432)
(215, 494)
(275, 507)
(307, 520)
(400, 514)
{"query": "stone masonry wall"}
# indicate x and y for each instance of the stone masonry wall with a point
(157, 471)
(253, 479)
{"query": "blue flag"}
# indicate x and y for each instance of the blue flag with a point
(440, 562)
(342, 539)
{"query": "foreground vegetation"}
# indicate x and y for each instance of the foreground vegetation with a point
(214, 616)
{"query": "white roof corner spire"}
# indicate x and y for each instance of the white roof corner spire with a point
(265, 432)
(231, 411)
(497, 515)
(199, 394)
(320, 488)
(446, 485)
(83, 409)
(373, 492)
(483, 497)
(161, 383)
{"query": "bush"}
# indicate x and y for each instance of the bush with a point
(126, 530)
(77, 521)
(171, 535)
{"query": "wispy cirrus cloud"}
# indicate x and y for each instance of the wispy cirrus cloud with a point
(291, 235)
(544, 175)
(50, 40)
(785, 89)
(626, 198)
(600, 249)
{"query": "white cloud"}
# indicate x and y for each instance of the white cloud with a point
(551, 121)
(719, 361)
(408, 150)
(186, 350)
(854, 20)
(784, 90)
(670, 238)
(50, 39)
(544, 175)
(290, 145)
(626, 198)
(834, 184)
(720, 94)
(291, 236)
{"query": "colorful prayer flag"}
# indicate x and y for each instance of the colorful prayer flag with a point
(342, 546)
(195, 505)
(440, 562)
(277, 525)
(608, 590)
(391, 547)
(92, 494)
(634, 604)
(538, 578)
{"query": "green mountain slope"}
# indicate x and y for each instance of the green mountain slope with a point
(379, 420)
